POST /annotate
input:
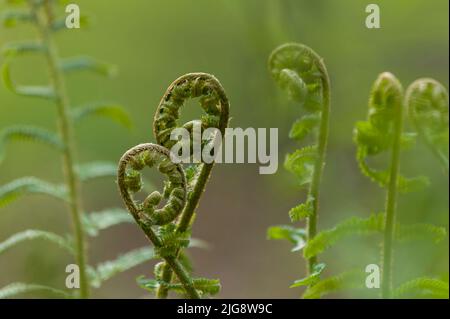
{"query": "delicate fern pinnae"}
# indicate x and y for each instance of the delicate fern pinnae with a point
(427, 102)
(214, 102)
(44, 23)
(146, 214)
(302, 73)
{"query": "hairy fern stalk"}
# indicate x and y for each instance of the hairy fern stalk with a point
(383, 133)
(169, 227)
(42, 15)
(300, 71)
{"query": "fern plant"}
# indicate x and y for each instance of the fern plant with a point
(42, 15)
(383, 133)
(300, 71)
(169, 227)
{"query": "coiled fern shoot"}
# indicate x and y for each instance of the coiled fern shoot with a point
(169, 227)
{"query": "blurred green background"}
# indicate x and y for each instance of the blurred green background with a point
(153, 42)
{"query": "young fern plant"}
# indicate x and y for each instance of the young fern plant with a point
(383, 133)
(300, 71)
(42, 15)
(169, 227)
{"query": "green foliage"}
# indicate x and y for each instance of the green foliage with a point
(90, 171)
(110, 111)
(19, 288)
(168, 227)
(312, 279)
(108, 269)
(297, 236)
(30, 185)
(28, 133)
(423, 287)
(301, 73)
(43, 19)
(96, 221)
(427, 102)
(349, 280)
(32, 234)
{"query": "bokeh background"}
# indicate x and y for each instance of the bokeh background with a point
(152, 43)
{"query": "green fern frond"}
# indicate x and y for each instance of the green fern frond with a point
(423, 288)
(297, 236)
(10, 18)
(354, 226)
(305, 125)
(108, 269)
(18, 288)
(93, 170)
(204, 286)
(28, 133)
(44, 92)
(32, 234)
(113, 112)
(312, 279)
(96, 221)
(30, 185)
(302, 211)
(301, 163)
(346, 281)
(420, 231)
(20, 48)
(87, 63)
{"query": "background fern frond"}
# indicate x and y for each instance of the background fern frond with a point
(20, 48)
(93, 170)
(96, 221)
(297, 236)
(28, 133)
(301, 163)
(420, 231)
(87, 63)
(30, 185)
(18, 288)
(350, 227)
(111, 111)
(10, 18)
(32, 234)
(353, 279)
(423, 287)
(108, 269)
(312, 279)
(45, 92)
(302, 211)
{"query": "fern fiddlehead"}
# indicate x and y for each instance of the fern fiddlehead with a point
(214, 102)
(427, 102)
(300, 71)
(381, 133)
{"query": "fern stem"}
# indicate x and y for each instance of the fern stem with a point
(65, 131)
(185, 221)
(314, 190)
(391, 205)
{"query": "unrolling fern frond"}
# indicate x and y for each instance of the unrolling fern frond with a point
(32, 234)
(28, 133)
(19, 288)
(30, 185)
(423, 287)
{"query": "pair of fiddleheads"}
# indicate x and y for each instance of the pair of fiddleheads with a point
(43, 15)
(300, 71)
(382, 133)
(168, 227)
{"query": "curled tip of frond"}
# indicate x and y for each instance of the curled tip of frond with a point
(130, 181)
(212, 98)
(301, 72)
